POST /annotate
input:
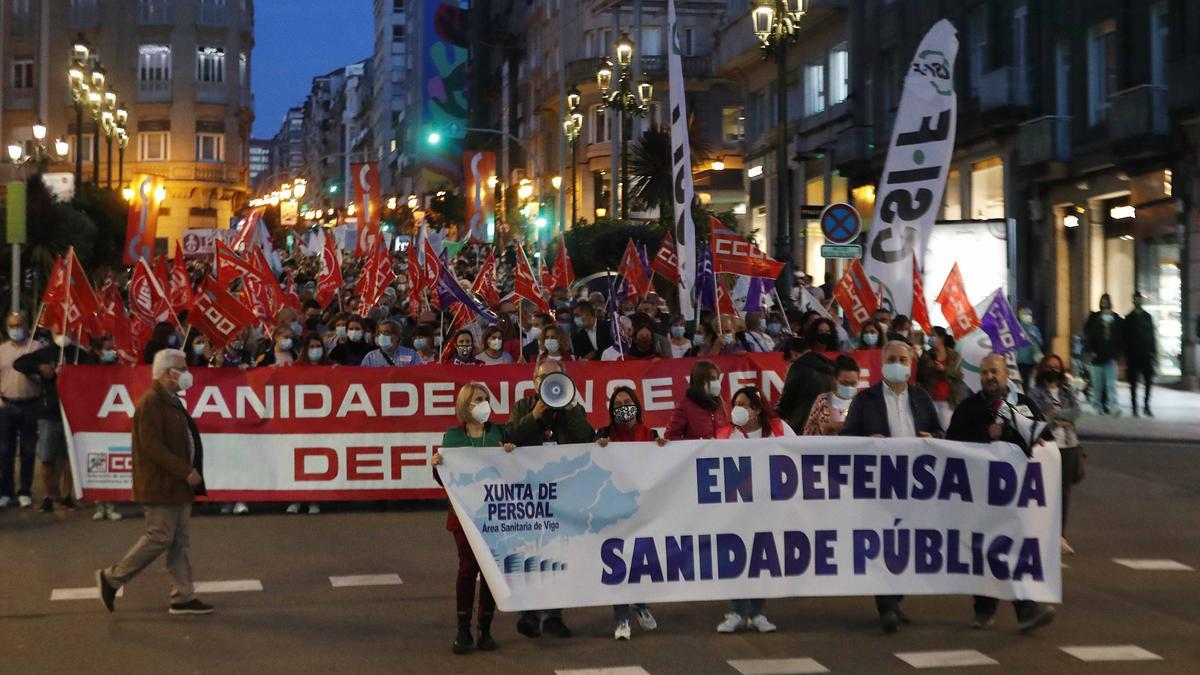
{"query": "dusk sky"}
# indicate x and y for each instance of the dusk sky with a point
(296, 40)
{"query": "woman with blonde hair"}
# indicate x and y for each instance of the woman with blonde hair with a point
(473, 407)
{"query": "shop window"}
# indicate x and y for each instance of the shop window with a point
(952, 199)
(987, 189)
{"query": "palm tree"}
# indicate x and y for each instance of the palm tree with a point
(650, 165)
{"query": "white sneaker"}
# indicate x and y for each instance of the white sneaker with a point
(112, 513)
(99, 514)
(240, 509)
(313, 509)
(294, 507)
(24, 501)
(646, 619)
(732, 623)
(623, 632)
(760, 623)
(5, 502)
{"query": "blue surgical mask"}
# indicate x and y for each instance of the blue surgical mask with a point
(17, 334)
(315, 354)
(108, 356)
(341, 331)
(896, 372)
(384, 341)
(552, 345)
(846, 392)
(198, 348)
(727, 338)
(698, 340)
(870, 339)
(773, 328)
(678, 331)
(285, 344)
(420, 344)
(354, 335)
(579, 322)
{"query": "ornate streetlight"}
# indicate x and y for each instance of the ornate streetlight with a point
(96, 99)
(80, 77)
(777, 25)
(629, 102)
(572, 126)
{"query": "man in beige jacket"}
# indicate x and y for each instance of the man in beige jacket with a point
(167, 457)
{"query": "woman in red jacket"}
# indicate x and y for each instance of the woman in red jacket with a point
(625, 424)
(701, 413)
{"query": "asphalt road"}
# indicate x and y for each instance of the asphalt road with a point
(1138, 502)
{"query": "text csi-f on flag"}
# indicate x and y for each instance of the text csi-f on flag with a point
(682, 188)
(914, 175)
(580, 525)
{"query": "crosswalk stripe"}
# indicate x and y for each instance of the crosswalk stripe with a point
(86, 593)
(613, 670)
(799, 666)
(1111, 653)
(946, 659)
(1153, 565)
(391, 579)
(231, 586)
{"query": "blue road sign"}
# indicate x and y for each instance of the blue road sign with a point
(840, 223)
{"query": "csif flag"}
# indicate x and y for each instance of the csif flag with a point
(683, 189)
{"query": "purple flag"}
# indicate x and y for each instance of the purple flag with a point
(449, 292)
(706, 280)
(1001, 325)
(759, 288)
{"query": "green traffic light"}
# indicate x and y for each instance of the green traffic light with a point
(434, 138)
(541, 223)
(333, 188)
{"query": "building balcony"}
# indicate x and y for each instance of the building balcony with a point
(1001, 88)
(154, 91)
(1137, 112)
(1044, 139)
(211, 92)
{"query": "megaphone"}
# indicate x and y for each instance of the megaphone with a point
(557, 391)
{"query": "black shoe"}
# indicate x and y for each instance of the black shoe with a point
(1135, 413)
(554, 626)
(485, 643)
(193, 606)
(529, 626)
(69, 504)
(463, 643)
(1148, 413)
(889, 621)
(1042, 617)
(904, 620)
(47, 505)
(981, 621)
(108, 594)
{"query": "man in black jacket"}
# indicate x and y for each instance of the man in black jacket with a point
(976, 420)
(892, 409)
(533, 423)
(592, 336)
(1141, 351)
(1102, 348)
(809, 376)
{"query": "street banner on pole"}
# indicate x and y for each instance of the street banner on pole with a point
(369, 199)
(481, 195)
(579, 525)
(15, 212)
(141, 227)
(914, 175)
(681, 169)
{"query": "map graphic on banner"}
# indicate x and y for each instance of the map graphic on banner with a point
(914, 174)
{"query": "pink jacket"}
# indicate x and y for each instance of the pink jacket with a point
(690, 421)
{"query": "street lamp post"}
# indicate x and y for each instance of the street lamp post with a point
(80, 80)
(96, 103)
(777, 25)
(626, 102)
(572, 126)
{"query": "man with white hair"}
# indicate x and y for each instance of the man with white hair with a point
(167, 458)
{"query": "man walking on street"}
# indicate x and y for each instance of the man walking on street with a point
(1141, 352)
(976, 421)
(167, 458)
(20, 396)
(1102, 348)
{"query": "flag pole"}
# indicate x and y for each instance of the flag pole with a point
(78, 340)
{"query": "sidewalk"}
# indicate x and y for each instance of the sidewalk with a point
(1176, 418)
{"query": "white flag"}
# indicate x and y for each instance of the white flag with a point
(914, 175)
(681, 170)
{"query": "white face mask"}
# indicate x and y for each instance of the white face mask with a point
(714, 389)
(184, 380)
(495, 344)
(739, 416)
(62, 341)
(534, 333)
(896, 372)
(480, 412)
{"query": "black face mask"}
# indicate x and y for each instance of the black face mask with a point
(829, 340)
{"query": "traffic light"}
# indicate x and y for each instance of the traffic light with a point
(434, 138)
(333, 188)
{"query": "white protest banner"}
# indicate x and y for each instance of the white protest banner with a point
(683, 189)
(914, 174)
(580, 525)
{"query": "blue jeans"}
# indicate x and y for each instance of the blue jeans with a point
(1104, 385)
(18, 432)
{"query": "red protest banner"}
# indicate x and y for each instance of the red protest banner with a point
(312, 433)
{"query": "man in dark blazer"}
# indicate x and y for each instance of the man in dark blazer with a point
(592, 336)
(167, 459)
(892, 409)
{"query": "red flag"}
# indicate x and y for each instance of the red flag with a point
(725, 306)
(637, 283)
(290, 297)
(376, 275)
(666, 262)
(564, 271)
(546, 274)
(148, 300)
(920, 310)
(231, 266)
(429, 272)
(955, 306)
(855, 296)
(331, 273)
(218, 315)
(52, 298)
(249, 230)
(70, 303)
(462, 317)
(115, 322)
(735, 255)
(180, 283)
(525, 285)
(485, 283)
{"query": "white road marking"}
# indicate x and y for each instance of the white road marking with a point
(392, 579)
(1153, 565)
(777, 666)
(232, 586)
(86, 593)
(1111, 653)
(946, 659)
(615, 670)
